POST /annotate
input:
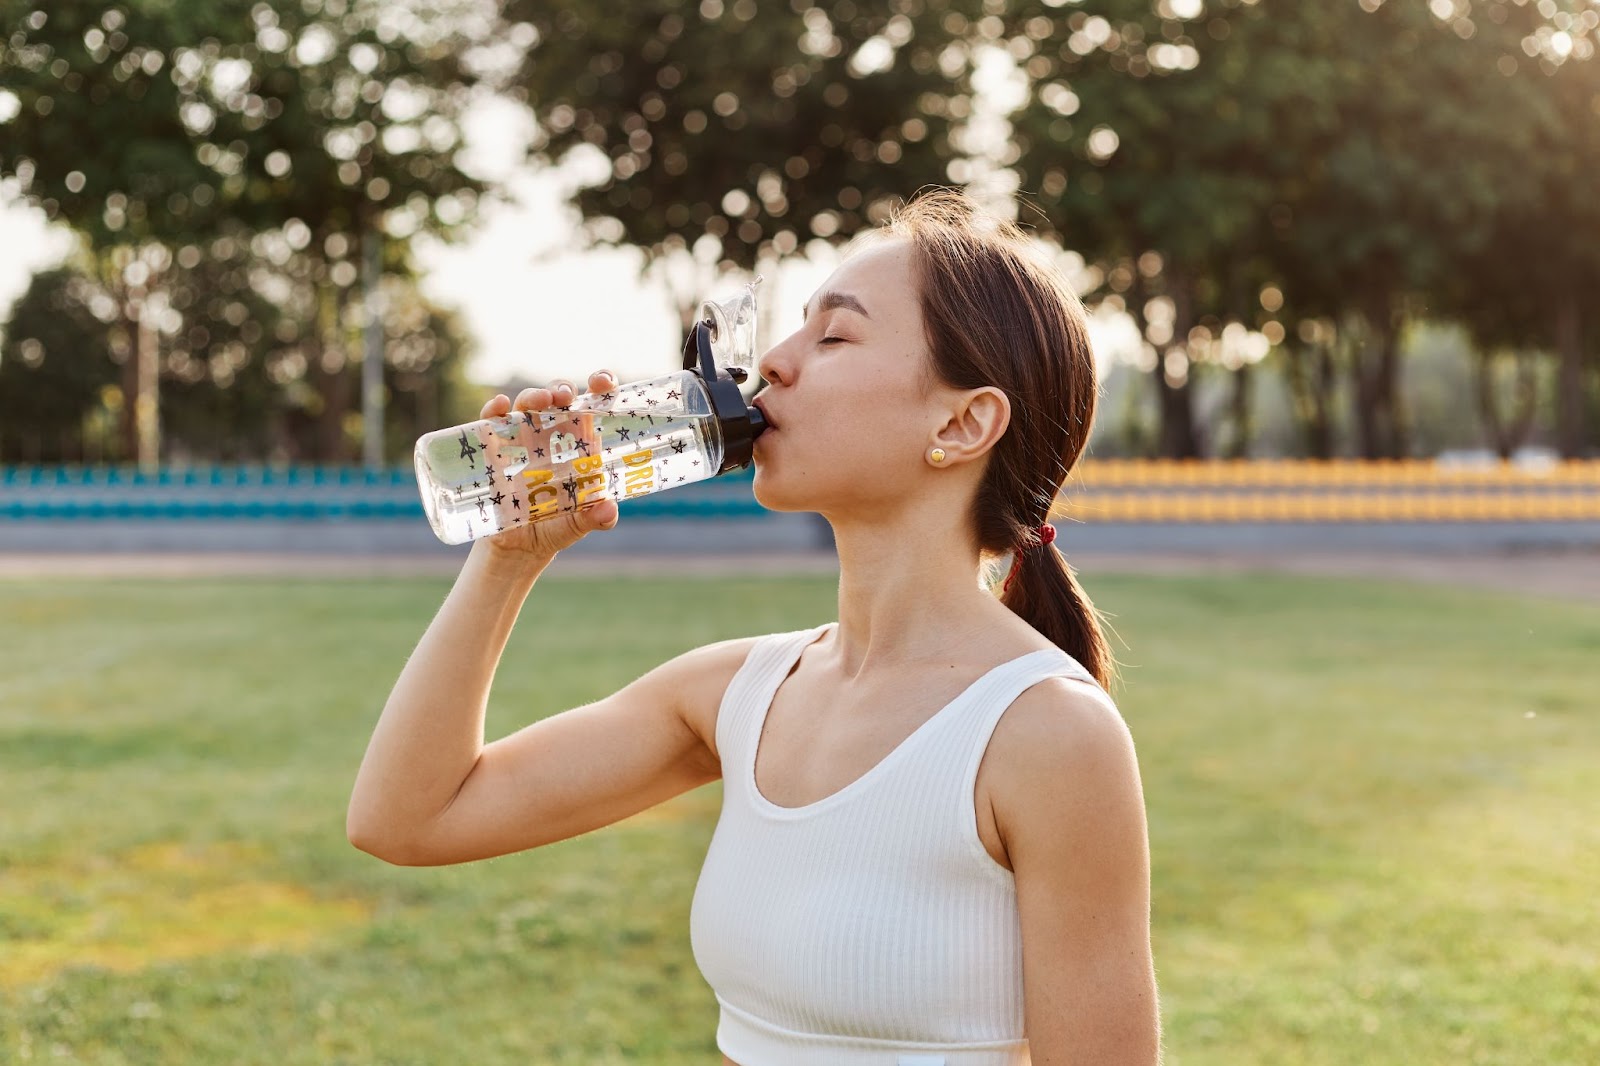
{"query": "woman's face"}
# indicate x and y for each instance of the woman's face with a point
(847, 400)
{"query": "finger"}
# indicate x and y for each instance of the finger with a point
(562, 391)
(602, 381)
(498, 405)
(533, 399)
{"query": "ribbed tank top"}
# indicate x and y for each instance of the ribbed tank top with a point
(870, 928)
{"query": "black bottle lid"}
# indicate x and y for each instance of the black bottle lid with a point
(739, 423)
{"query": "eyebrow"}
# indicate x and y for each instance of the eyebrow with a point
(832, 299)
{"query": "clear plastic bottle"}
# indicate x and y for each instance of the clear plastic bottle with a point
(495, 474)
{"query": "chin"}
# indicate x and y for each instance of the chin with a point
(769, 491)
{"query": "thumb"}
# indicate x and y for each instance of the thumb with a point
(602, 515)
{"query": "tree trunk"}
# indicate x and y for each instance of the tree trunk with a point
(130, 385)
(1375, 372)
(372, 391)
(141, 375)
(331, 372)
(1309, 392)
(1507, 434)
(1179, 438)
(1239, 446)
(1569, 377)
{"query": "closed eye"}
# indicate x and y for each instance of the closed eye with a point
(832, 340)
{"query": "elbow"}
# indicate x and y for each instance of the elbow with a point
(364, 836)
(368, 834)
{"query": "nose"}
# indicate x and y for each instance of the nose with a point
(777, 366)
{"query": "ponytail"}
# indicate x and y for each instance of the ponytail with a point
(1044, 592)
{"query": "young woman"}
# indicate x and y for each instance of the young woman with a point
(932, 849)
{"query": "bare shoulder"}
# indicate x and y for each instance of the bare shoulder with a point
(1064, 712)
(696, 681)
(1062, 750)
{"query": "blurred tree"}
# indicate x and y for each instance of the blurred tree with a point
(425, 372)
(361, 153)
(1529, 284)
(49, 388)
(730, 138)
(1345, 157)
(1507, 430)
(96, 140)
(147, 126)
(1146, 143)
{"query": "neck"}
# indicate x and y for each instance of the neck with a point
(907, 582)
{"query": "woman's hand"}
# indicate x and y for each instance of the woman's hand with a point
(541, 540)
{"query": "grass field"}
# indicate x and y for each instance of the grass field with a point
(1373, 814)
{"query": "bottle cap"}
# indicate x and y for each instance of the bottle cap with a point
(721, 350)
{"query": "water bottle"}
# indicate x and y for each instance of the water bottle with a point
(495, 474)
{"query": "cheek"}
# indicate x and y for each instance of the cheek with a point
(858, 456)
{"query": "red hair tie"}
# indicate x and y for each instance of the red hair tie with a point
(1047, 535)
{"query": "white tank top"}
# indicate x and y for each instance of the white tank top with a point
(870, 928)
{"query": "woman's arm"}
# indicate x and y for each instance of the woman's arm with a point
(430, 791)
(1070, 810)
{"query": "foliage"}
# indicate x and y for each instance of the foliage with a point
(180, 139)
(47, 388)
(1307, 170)
(237, 379)
(1239, 174)
(739, 131)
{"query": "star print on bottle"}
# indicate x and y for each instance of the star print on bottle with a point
(467, 450)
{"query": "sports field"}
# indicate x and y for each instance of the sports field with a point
(1373, 811)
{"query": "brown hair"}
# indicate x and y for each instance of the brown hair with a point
(997, 314)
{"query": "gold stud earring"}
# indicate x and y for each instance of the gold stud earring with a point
(937, 455)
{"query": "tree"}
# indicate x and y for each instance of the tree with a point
(47, 390)
(738, 136)
(1528, 285)
(1346, 156)
(1143, 144)
(152, 127)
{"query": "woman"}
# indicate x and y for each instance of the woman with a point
(932, 846)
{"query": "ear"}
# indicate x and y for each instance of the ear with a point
(977, 419)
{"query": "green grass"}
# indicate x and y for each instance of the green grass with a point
(1372, 811)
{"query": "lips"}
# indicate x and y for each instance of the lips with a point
(771, 422)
